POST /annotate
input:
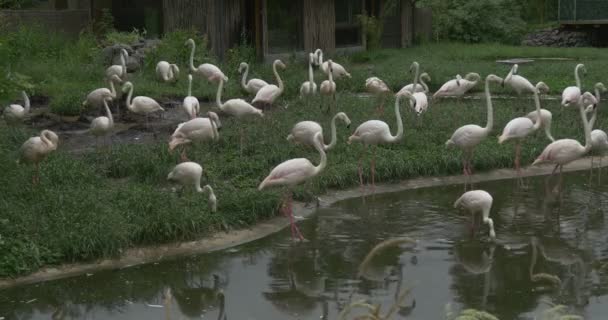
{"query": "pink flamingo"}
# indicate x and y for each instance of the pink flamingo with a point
(36, 149)
(476, 201)
(291, 173)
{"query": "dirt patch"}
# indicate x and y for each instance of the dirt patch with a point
(220, 241)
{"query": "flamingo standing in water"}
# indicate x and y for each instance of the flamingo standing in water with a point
(377, 87)
(191, 105)
(140, 104)
(36, 149)
(197, 130)
(16, 113)
(545, 115)
(599, 138)
(291, 173)
(572, 95)
(375, 132)
(519, 128)
(469, 136)
(238, 108)
(564, 151)
(102, 126)
(458, 87)
(304, 132)
(119, 70)
(309, 88)
(97, 97)
(328, 87)
(206, 70)
(478, 201)
(189, 174)
(253, 85)
(269, 93)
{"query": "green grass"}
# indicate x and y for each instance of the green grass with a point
(97, 204)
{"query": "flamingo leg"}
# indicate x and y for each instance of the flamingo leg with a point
(517, 157)
(292, 219)
(373, 167)
(599, 172)
(183, 155)
(36, 177)
(361, 173)
(591, 170)
(241, 141)
(285, 211)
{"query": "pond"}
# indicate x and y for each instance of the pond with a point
(275, 279)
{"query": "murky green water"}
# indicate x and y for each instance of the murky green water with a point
(273, 279)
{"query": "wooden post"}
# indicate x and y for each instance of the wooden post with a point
(406, 23)
(264, 28)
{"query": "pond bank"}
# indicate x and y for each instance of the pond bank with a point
(220, 241)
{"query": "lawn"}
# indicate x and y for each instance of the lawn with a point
(95, 204)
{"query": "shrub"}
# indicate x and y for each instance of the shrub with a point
(116, 37)
(174, 50)
(67, 104)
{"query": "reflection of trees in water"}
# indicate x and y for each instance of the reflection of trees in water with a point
(79, 296)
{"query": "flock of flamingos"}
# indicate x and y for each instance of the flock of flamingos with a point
(370, 133)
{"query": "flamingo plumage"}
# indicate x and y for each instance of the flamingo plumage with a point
(102, 126)
(572, 95)
(253, 85)
(377, 87)
(36, 149)
(189, 174)
(304, 132)
(16, 113)
(458, 87)
(478, 201)
(309, 88)
(197, 130)
(269, 93)
(140, 104)
(191, 105)
(338, 71)
(167, 72)
(206, 70)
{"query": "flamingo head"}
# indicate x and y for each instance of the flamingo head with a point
(124, 52)
(581, 67)
(342, 116)
(414, 66)
(426, 77)
(514, 68)
(214, 117)
(212, 198)
(495, 78)
(127, 86)
(330, 66)
(51, 136)
(587, 98)
(243, 66)
(176, 140)
(590, 108)
(600, 87)
(280, 64)
(189, 42)
(542, 88)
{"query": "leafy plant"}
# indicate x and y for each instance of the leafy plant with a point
(67, 104)
(117, 37)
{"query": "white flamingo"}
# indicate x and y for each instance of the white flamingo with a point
(238, 108)
(36, 149)
(338, 70)
(291, 173)
(563, 151)
(328, 87)
(458, 87)
(191, 105)
(253, 85)
(599, 138)
(377, 87)
(545, 115)
(268, 94)
(205, 70)
(97, 97)
(519, 128)
(119, 70)
(167, 72)
(572, 95)
(421, 85)
(304, 132)
(518, 83)
(16, 113)
(421, 103)
(469, 136)
(375, 132)
(140, 104)
(197, 130)
(102, 126)
(478, 201)
(309, 88)
(189, 174)
(414, 68)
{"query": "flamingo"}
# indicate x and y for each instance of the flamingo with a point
(414, 67)
(189, 174)
(119, 70)
(309, 88)
(140, 104)
(304, 132)
(421, 103)
(564, 151)
(102, 126)
(197, 130)
(519, 128)
(518, 83)
(97, 97)
(572, 95)
(545, 115)
(377, 87)
(191, 105)
(16, 113)
(253, 85)
(268, 94)
(458, 87)
(375, 132)
(36, 149)
(469, 136)
(420, 86)
(599, 138)
(238, 108)
(167, 72)
(205, 70)
(291, 173)
(476, 201)
(338, 70)
(328, 87)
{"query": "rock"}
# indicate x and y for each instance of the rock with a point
(557, 38)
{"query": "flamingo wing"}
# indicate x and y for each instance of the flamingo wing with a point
(290, 172)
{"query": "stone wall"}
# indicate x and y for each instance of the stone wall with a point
(68, 21)
(557, 38)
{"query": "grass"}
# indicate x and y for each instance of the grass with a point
(99, 203)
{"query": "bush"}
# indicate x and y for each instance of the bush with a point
(67, 104)
(475, 21)
(128, 38)
(174, 50)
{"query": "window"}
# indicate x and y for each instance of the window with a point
(284, 26)
(348, 29)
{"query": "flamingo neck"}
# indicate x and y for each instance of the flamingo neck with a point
(112, 89)
(594, 116)
(244, 78)
(279, 80)
(192, 68)
(334, 134)
(424, 85)
(218, 96)
(490, 121)
(577, 77)
(510, 74)
(48, 142)
(330, 74)
(538, 122)
(323, 162)
(214, 132)
(586, 128)
(197, 185)
(26, 102)
(123, 63)
(416, 75)
(129, 106)
(320, 57)
(399, 121)
(311, 74)
(190, 86)
(108, 112)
